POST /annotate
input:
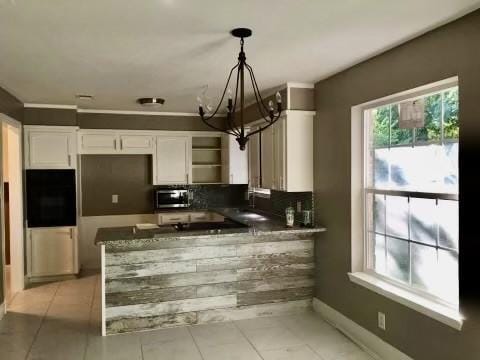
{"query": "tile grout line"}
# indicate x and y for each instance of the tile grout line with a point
(89, 317)
(248, 340)
(41, 323)
(195, 342)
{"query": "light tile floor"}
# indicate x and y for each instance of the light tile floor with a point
(62, 321)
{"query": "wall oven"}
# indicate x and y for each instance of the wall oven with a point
(171, 198)
(51, 198)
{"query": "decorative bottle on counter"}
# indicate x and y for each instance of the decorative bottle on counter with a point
(289, 216)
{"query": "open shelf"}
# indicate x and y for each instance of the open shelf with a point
(206, 160)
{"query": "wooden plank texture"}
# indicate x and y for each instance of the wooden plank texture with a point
(184, 281)
(170, 307)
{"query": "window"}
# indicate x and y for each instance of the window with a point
(411, 196)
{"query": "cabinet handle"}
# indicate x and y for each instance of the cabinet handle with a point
(175, 219)
(71, 233)
(115, 144)
(186, 176)
(121, 144)
(69, 160)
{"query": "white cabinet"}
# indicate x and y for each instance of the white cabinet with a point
(254, 160)
(52, 251)
(136, 144)
(173, 164)
(267, 156)
(50, 147)
(98, 142)
(115, 142)
(287, 153)
(234, 161)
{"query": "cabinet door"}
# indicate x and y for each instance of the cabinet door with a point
(51, 150)
(236, 161)
(173, 160)
(52, 251)
(254, 160)
(136, 144)
(279, 148)
(268, 158)
(98, 143)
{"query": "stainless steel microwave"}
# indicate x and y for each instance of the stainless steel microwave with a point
(171, 198)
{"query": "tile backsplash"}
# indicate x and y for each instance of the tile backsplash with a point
(215, 196)
(280, 200)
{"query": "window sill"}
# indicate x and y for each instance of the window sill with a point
(439, 312)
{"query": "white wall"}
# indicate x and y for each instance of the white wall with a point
(88, 226)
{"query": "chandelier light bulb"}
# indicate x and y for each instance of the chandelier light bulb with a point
(270, 105)
(229, 94)
(278, 97)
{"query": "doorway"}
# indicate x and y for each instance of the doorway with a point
(11, 198)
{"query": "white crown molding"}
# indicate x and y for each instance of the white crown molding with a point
(300, 85)
(135, 112)
(369, 342)
(49, 106)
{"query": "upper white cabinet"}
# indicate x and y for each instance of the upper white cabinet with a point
(115, 142)
(254, 160)
(50, 147)
(173, 164)
(234, 161)
(287, 153)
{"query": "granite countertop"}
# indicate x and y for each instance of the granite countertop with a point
(258, 224)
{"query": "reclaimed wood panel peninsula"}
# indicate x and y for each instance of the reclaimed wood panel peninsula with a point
(155, 280)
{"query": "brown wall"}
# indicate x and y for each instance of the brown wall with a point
(302, 99)
(10, 105)
(47, 116)
(451, 50)
(128, 176)
(143, 122)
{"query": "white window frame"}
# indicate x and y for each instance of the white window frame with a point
(361, 272)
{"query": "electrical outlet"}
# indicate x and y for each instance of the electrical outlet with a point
(381, 321)
(299, 206)
(114, 199)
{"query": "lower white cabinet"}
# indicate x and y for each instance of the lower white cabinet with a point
(52, 251)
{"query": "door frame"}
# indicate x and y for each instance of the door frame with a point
(17, 249)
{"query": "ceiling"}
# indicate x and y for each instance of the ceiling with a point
(120, 50)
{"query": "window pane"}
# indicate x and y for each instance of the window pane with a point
(399, 136)
(380, 254)
(450, 120)
(398, 261)
(381, 170)
(448, 160)
(379, 213)
(433, 119)
(424, 267)
(397, 216)
(448, 276)
(448, 223)
(381, 126)
(423, 220)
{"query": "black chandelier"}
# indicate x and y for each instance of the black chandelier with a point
(236, 126)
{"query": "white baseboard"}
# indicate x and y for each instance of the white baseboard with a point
(372, 344)
(2, 310)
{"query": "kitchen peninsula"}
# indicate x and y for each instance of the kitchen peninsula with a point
(166, 276)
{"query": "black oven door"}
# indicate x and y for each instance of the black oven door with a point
(51, 198)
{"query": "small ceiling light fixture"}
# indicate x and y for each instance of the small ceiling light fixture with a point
(235, 120)
(149, 101)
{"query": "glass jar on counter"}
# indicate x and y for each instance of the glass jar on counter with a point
(289, 216)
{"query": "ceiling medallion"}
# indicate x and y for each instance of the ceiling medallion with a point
(235, 105)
